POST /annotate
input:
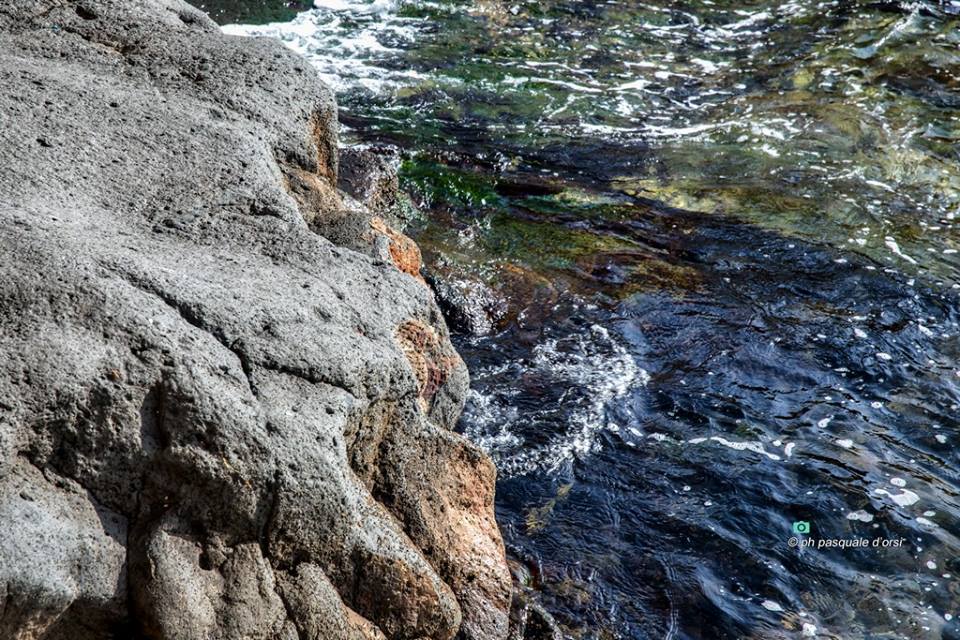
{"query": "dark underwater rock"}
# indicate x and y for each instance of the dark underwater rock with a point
(253, 11)
(529, 620)
(370, 176)
(469, 306)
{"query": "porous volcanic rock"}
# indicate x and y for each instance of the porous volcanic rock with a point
(217, 421)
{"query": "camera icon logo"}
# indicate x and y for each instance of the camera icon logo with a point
(801, 526)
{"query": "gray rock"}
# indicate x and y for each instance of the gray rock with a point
(58, 547)
(215, 421)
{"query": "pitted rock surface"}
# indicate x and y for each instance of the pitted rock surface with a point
(215, 420)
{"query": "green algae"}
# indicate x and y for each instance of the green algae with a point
(437, 184)
(844, 119)
(540, 234)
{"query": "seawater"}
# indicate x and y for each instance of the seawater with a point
(718, 247)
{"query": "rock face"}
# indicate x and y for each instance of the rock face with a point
(225, 411)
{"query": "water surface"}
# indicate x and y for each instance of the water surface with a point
(710, 250)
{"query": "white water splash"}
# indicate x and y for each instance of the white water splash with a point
(593, 366)
(346, 41)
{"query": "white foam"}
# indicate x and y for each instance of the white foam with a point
(756, 447)
(770, 605)
(905, 499)
(706, 65)
(861, 516)
(346, 53)
(595, 364)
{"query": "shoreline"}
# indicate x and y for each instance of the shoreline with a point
(235, 393)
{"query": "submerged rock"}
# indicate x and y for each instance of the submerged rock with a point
(469, 306)
(370, 176)
(253, 11)
(529, 620)
(224, 410)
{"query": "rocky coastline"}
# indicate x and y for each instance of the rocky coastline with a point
(226, 394)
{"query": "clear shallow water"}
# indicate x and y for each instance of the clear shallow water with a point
(716, 250)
